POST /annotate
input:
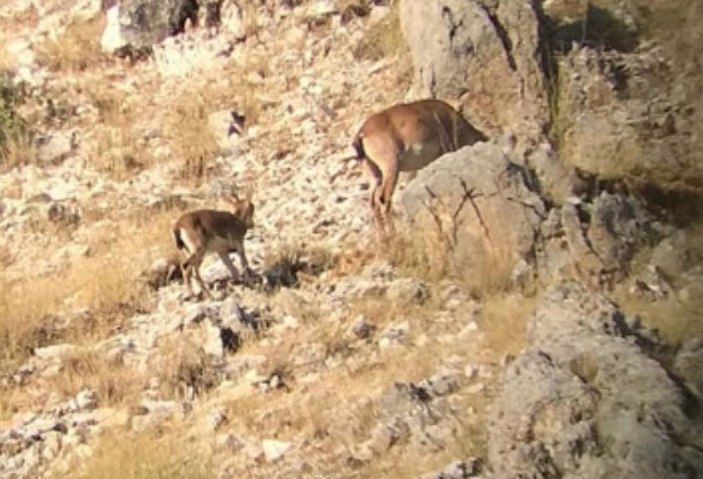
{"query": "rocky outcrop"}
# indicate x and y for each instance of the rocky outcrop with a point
(482, 206)
(140, 24)
(487, 53)
(626, 115)
(595, 240)
(585, 400)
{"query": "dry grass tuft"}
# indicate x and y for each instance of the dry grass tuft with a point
(115, 383)
(120, 146)
(675, 320)
(104, 283)
(504, 323)
(18, 149)
(423, 256)
(190, 137)
(183, 368)
(123, 455)
(76, 48)
(383, 39)
(429, 256)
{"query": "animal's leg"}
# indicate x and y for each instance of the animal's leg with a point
(186, 272)
(374, 174)
(390, 179)
(224, 256)
(243, 260)
(195, 261)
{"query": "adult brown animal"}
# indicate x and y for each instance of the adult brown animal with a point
(407, 137)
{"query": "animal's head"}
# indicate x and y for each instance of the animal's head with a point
(243, 208)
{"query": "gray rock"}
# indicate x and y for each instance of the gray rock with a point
(56, 148)
(56, 351)
(143, 23)
(586, 401)
(489, 216)
(487, 53)
(408, 291)
(394, 335)
(457, 470)
(687, 365)
(619, 225)
(362, 328)
(647, 133)
(226, 125)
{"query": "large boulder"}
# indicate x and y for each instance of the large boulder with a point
(487, 53)
(481, 204)
(140, 24)
(595, 240)
(587, 401)
(629, 103)
(623, 115)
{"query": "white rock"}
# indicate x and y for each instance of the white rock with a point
(112, 38)
(213, 341)
(273, 449)
(87, 399)
(55, 351)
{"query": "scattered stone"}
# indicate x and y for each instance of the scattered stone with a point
(87, 400)
(274, 450)
(457, 470)
(56, 351)
(408, 290)
(394, 335)
(362, 328)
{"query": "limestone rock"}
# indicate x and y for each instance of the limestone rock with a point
(583, 393)
(486, 53)
(482, 206)
(274, 450)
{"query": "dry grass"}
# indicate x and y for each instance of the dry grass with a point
(675, 320)
(383, 39)
(104, 282)
(119, 146)
(678, 317)
(7, 59)
(504, 323)
(483, 273)
(115, 383)
(76, 48)
(190, 137)
(17, 150)
(420, 255)
(123, 455)
(183, 368)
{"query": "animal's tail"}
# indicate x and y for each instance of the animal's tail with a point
(358, 146)
(177, 238)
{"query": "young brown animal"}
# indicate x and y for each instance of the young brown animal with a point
(202, 231)
(407, 137)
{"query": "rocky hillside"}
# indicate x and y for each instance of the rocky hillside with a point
(539, 312)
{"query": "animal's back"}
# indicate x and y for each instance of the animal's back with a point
(208, 225)
(422, 121)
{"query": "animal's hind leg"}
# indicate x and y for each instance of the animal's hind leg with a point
(390, 179)
(245, 264)
(194, 263)
(374, 174)
(224, 256)
(186, 272)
